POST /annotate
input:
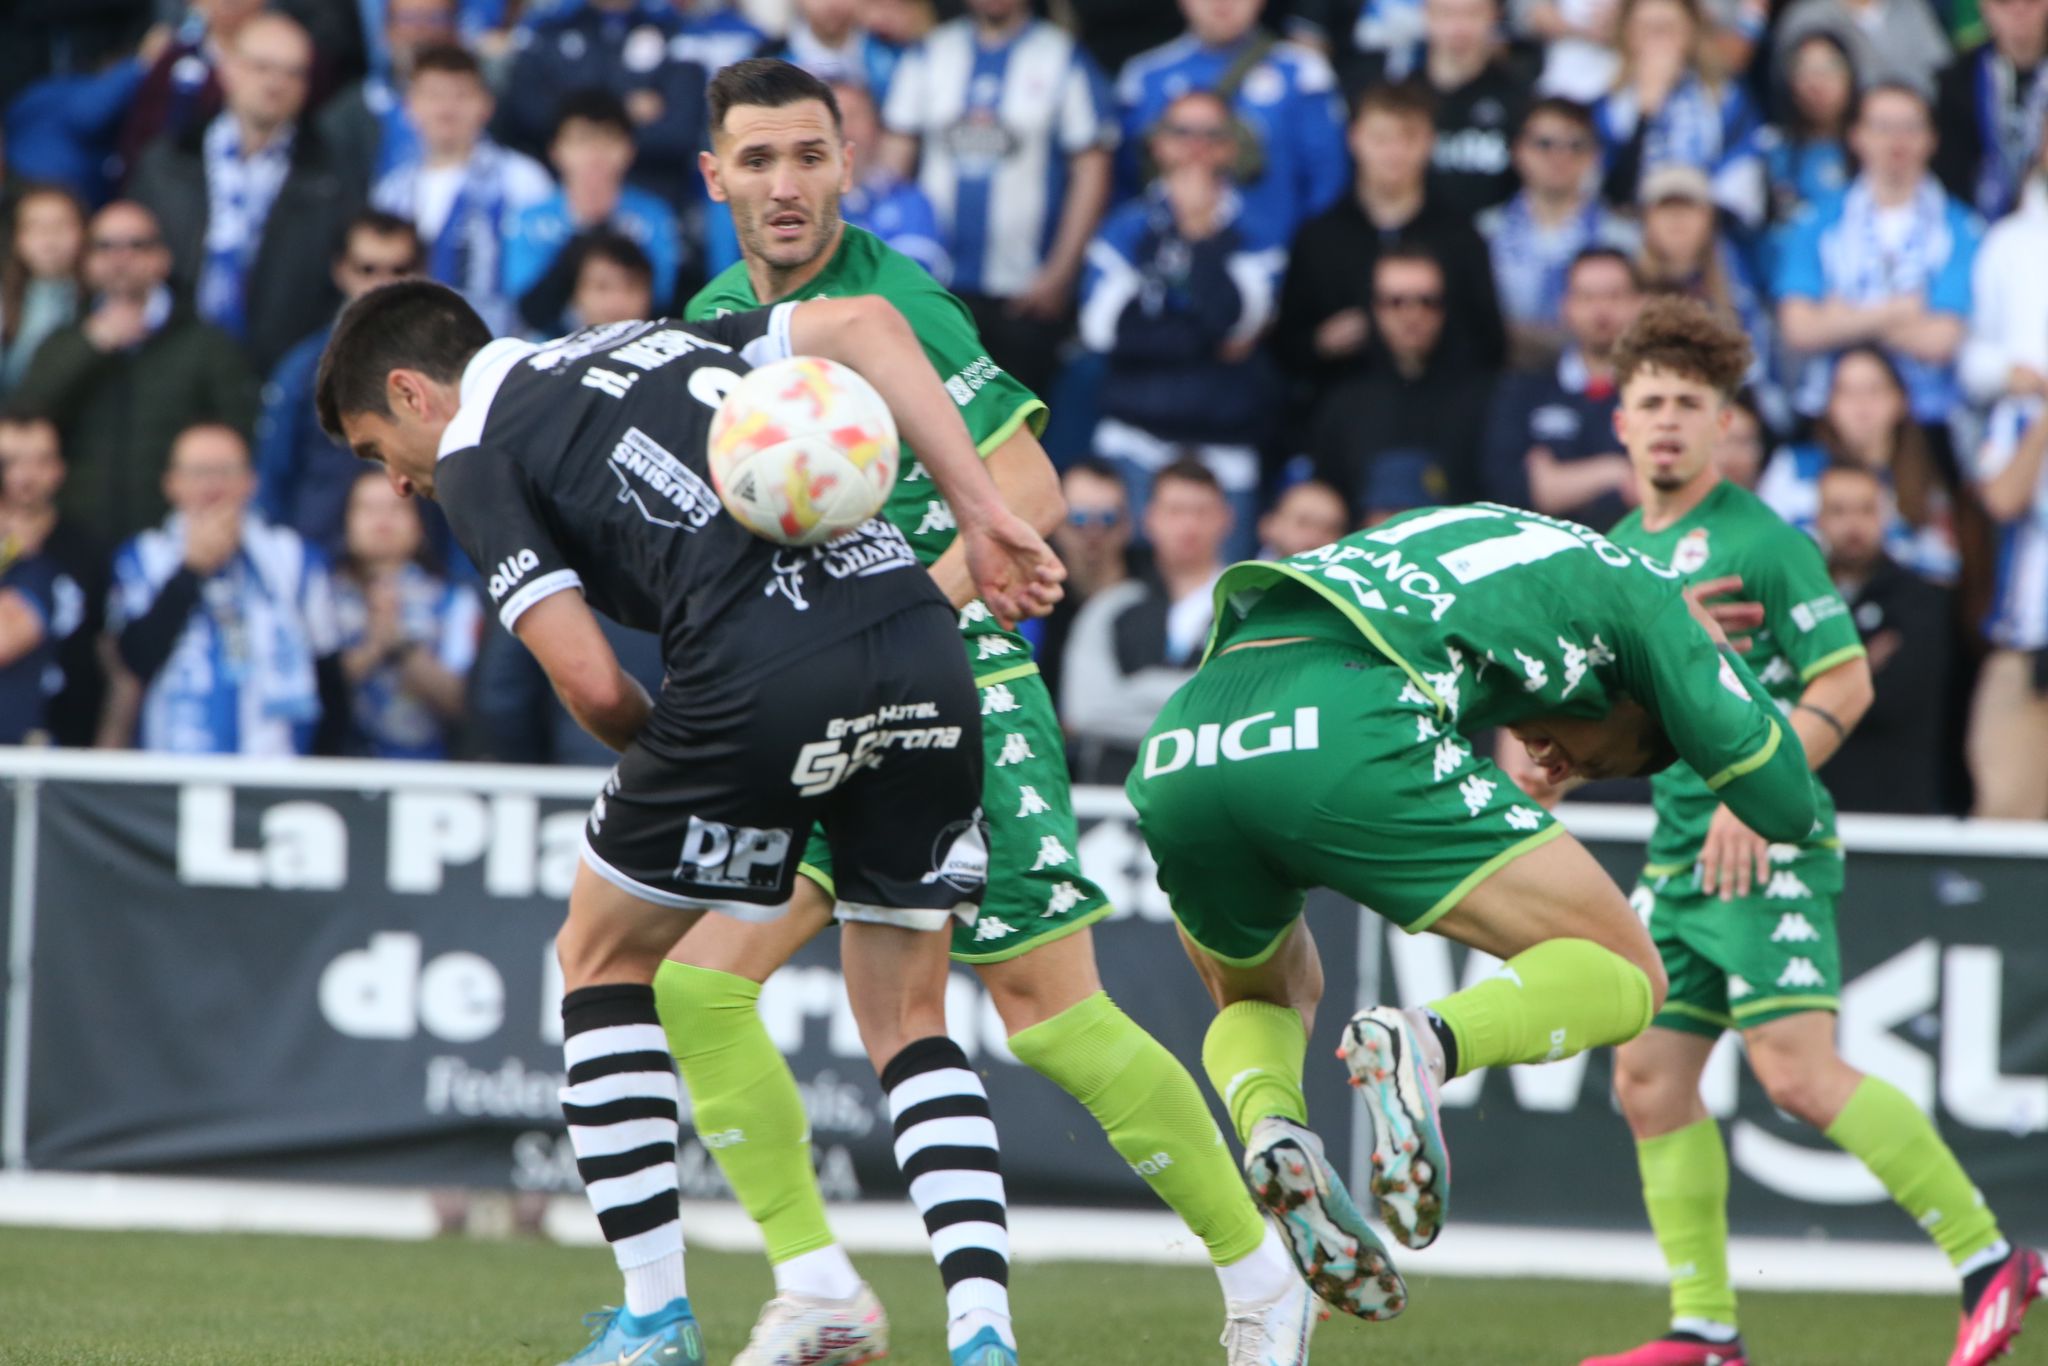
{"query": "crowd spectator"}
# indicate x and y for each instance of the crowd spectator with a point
(1401, 481)
(407, 637)
(1135, 643)
(1889, 40)
(828, 39)
(1009, 126)
(245, 201)
(1478, 98)
(127, 377)
(1578, 38)
(181, 91)
(713, 34)
(64, 128)
(626, 48)
(1178, 290)
(224, 625)
(1287, 121)
(302, 476)
(885, 203)
(1806, 157)
(1897, 759)
(1744, 444)
(1308, 513)
(42, 280)
(1668, 105)
(515, 717)
(1325, 315)
(1991, 107)
(1534, 237)
(367, 125)
(1867, 423)
(1115, 31)
(61, 572)
(2007, 350)
(1094, 543)
(1685, 252)
(614, 281)
(463, 192)
(1887, 261)
(1550, 441)
(592, 150)
(1415, 396)
(2008, 740)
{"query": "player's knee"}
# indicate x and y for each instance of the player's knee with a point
(1795, 1090)
(1652, 1100)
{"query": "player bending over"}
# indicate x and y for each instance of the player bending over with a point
(1326, 741)
(581, 465)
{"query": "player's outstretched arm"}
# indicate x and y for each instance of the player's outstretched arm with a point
(564, 636)
(1030, 487)
(1016, 571)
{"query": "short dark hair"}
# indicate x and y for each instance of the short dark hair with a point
(1683, 337)
(449, 58)
(407, 325)
(593, 104)
(766, 83)
(1557, 107)
(1413, 253)
(616, 249)
(1611, 254)
(1188, 470)
(1097, 468)
(1404, 99)
(378, 223)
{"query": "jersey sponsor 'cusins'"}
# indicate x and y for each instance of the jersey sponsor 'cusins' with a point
(554, 482)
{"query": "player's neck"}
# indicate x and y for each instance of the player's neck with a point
(1892, 192)
(773, 286)
(992, 35)
(1552, 207)
(1664, 507)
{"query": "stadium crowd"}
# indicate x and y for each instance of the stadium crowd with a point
(1278, 274)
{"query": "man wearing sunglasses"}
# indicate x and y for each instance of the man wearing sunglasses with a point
(303, 478)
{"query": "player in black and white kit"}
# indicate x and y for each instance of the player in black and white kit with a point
(820, 684)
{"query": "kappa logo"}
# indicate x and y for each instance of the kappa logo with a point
(1786, 886)
(1793, 928)
(1210, 743)
(510, 571)
(1801, 972)
(1738, 986)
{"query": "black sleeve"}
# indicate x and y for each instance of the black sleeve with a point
(147, 641)
(495, 513)
(336, 710)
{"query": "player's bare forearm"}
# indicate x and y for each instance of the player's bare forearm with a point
(1841, 695)
(2010, 493)
(1030, 487)
(616, 720)
(1827, 324)
(1931, 337)
(563, 634)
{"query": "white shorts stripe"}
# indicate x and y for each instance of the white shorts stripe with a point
(616, 1191)
(599, 1043)
(953, 1237)
(621, 1086)
(675, 901)
(948, 1081)
(604, 1140)
(651, 1246)
(938, 1188)
(958, 1131)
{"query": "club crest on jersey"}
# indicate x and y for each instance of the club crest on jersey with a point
(510, 571)
(1691, 554)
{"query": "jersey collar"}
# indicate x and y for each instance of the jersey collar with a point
(480, 380)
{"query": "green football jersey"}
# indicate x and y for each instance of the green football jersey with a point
(1807, 630)
(991, 400)
(1498, 615)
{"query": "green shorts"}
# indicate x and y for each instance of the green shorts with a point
(1739, 964)
(1036, 890)
(1287, 767)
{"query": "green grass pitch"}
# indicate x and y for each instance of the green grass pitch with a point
(98, 1299)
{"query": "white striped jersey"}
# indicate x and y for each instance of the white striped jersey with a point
(996, 127)
(2018, 619)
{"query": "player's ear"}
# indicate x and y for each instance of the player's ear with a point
(846, 167)
(1620, 421)
(707, 166)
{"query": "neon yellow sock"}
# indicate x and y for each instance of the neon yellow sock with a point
(1883, 1127)
(741, 1091)
(1546, 1003)
(1685, 1189)
(1154, 1115)
(1254, 1053)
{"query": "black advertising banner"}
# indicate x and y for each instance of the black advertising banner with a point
(345, 972)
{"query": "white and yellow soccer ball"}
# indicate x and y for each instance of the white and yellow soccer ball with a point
(803, 450)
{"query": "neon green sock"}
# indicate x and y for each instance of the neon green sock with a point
(1154, 1115)
(1254, 1053)
(1883, 1127)
(1685, 1189)
(741, 1091)
(1560, 998)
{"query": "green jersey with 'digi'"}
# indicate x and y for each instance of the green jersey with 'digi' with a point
(1498, 615)
(1807, 630)
(993, 404)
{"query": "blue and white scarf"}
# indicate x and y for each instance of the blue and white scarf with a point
(465, 254)
(1863, 269)
(239, 193)
(1691, 128)
(1531, 262)
(2009, 121)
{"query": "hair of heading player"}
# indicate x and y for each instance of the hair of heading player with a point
(767, 83)
(1680, 336)
(407, 325)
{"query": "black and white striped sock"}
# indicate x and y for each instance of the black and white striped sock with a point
(946, 1148)
(621, 1106)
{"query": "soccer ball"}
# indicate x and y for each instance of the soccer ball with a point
(802, 451)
